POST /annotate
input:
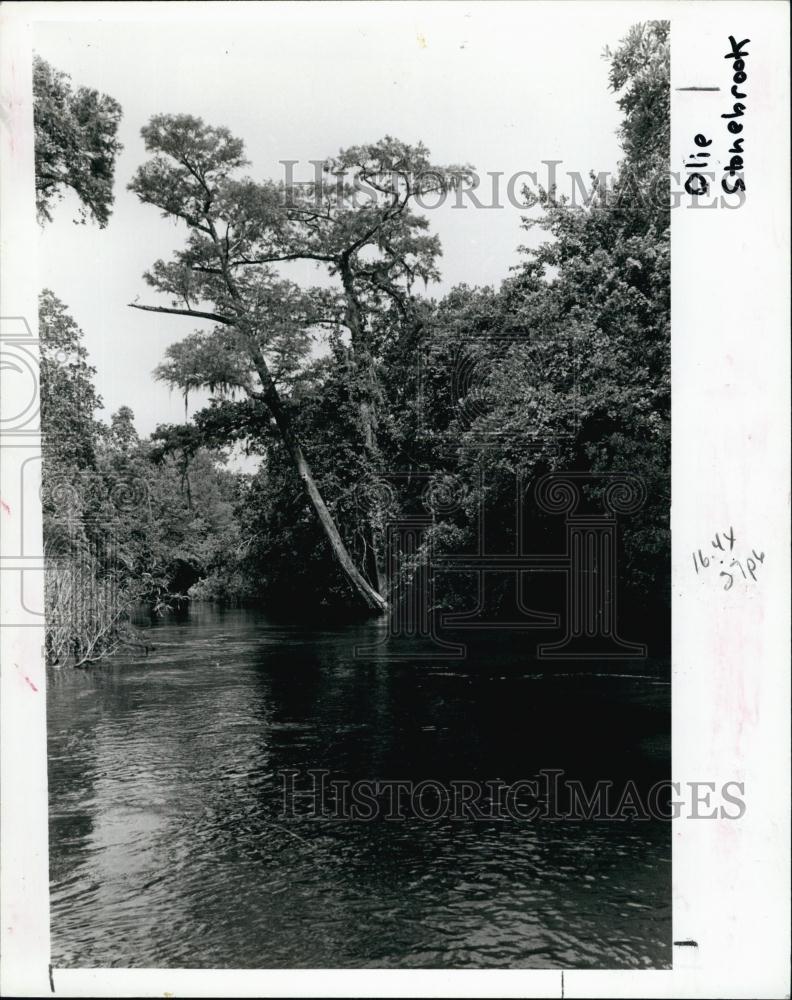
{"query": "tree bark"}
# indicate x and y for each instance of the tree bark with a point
(363, 588)
(363, 388)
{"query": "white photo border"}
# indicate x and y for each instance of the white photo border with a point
(730, 466)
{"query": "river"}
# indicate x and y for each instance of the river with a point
(169, 846)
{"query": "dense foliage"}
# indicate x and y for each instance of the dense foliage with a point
(76, 144)
(126, 521)
(566, 366)
(360, 393)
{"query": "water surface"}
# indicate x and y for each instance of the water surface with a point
(169, 847)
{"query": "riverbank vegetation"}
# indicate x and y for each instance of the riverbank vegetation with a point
(356, 391)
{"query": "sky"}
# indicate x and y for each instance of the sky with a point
(504, 87)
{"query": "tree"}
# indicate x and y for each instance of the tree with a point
(75, 147)
(254, 315)
(640, 72)
(169, 533)
(83, 616)
(360, 222)
(122, 429)
(182, 442)
(67, 395)
(76, 144)
(238, 230)
(578, 338)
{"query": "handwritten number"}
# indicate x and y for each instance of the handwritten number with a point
(700, 561)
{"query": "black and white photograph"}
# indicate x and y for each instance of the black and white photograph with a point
(337, 493)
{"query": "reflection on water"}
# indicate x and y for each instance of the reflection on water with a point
(169, 848)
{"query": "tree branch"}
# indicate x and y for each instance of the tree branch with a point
(217, 317)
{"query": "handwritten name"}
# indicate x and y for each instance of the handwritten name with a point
(733, 180)
(739, 76)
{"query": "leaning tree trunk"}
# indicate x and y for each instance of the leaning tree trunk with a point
(362, 587)
(369, 595)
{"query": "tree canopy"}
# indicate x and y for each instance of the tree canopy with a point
(355, 388)
(76, 144)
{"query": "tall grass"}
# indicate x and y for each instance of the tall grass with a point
(86, 606)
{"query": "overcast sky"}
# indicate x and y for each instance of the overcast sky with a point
(502, 87)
